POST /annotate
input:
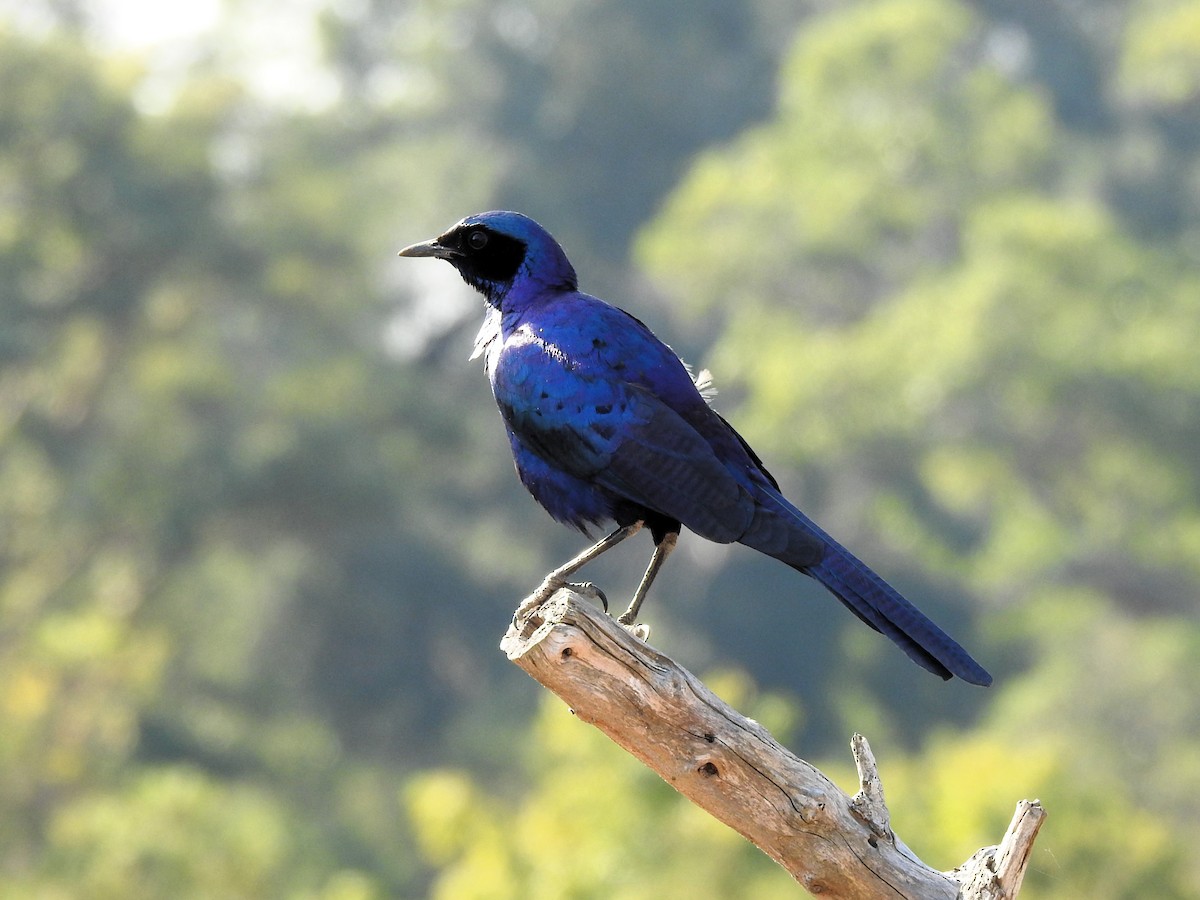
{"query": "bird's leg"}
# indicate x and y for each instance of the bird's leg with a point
(661, 551)
(558, 578)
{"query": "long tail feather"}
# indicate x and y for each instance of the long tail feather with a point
(885, 609)
(870, 597)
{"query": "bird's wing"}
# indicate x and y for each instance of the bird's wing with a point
(660, 461)
(621, 437)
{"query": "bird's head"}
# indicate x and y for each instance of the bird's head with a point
(500, 252)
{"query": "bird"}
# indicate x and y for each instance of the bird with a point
(607, 424)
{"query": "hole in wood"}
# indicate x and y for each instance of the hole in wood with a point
(709, 769)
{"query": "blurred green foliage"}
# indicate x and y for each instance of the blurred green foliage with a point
(1009, 355)
(256, 512)
(590, 821)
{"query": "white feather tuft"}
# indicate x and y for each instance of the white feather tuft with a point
(705, 384)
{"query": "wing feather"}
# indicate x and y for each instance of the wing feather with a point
(620, 436)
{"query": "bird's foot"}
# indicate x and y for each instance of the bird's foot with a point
(586, 587)
(639, 630)
(548, 586)
(547, 589)
(627, 621)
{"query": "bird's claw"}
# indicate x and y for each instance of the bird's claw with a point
(639, 630)
(532, 602)
(548, 588)
(586, 587)
(544, 592)
(628, 621)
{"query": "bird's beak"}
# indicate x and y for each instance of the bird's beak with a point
(432, 248)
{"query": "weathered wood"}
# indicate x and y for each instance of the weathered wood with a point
(731, 767)
(996, 873)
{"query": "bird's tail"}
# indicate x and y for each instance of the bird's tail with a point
(872, 599)
(883, 608)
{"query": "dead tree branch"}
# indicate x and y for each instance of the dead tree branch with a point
(730, 766)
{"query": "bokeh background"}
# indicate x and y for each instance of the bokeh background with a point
(259, 530)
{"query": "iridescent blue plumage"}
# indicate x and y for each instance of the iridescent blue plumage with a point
(606, 424)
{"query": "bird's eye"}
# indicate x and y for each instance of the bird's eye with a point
(477, 240)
